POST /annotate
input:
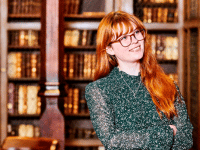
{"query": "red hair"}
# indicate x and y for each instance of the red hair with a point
(161, 88)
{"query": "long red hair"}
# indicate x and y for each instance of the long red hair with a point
(161, 88)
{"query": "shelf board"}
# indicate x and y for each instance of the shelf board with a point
(24, 79)
(82, 16)
(89, 47)
(23, 47)
(24, 26)
(167, 61)
(24, 16)
(153, 4)
(162, 26)
(31, 116)
(83, 143)
(195, 23)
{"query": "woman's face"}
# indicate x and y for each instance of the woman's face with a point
(130, 54)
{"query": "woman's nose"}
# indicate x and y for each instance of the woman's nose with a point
(133, 40)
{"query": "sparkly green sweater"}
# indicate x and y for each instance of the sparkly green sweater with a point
(123, 122)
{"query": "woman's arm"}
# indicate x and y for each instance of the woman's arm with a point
(102, 117)
(183, 138)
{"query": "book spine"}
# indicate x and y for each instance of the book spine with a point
(75, 101)
(81, 65)
(33, 65)
(12, 67)
(23, 65)
(18, 64)
(32, 99)
(16, 97)
(11, 98)
(71, 65)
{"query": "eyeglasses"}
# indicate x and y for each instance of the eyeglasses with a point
(126, 40)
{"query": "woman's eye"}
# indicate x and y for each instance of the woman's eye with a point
(137, 32)
(124, 38)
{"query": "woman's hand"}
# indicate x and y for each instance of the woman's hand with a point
(174, 129)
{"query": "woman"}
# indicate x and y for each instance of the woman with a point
(132, 103)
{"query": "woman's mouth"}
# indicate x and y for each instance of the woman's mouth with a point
(135, 49)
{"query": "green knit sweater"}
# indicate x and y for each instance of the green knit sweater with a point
(123, 122)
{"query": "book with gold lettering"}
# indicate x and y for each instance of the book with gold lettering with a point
(34, 65)
(18, 64)
(11, 98)
(32, 99)
(22, 99)
(75, 101)
(71, 65)
(12, 67)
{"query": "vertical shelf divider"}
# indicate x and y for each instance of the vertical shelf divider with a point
(51, 83)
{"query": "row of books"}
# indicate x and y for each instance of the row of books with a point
(72, 6)
(157, 1)
(79, 65)
(23, 38)
(164, 46)
(23, 130)
(23, 7)
(194, 9)
(80, 133)
(80, 37)
(75, 102)
(23, 65)
(23, 99)
(158, 14)
(86, 148)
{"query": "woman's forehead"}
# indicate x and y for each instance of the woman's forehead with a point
(122, 28)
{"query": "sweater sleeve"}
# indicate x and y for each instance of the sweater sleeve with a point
(183, 138)
(101, 115)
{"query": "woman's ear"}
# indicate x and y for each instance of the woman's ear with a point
(109, 50)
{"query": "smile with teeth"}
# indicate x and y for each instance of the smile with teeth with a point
(135, 49)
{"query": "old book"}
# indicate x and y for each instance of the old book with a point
(81, 65)
(16, 97)
(29, 130)
(15, 35)
(28, 65)
(76, 65)
(22, 130)
(71, 65)
(84, 37)
(31, 6)
(170, 15)
(32, 99)
(67, 6)
(89, 37)
(38, 103)
(193, 9)
(19, 5)
(168, 47)
(37, 131)
(23, 65)
(85, 70)
(18, 64)
(145, 14)
(175, 48)
(67, 37)
(159, 47)
(11, 98)
(165, 13)
(89, 66)
(70, 101)
(154, 14)
(65, 64)
(82, 102)
(149, 15)
(22, 99)
(75, 101)
(14, 7)
(33, 65)
(75, 38)
(159, 18)
(12, 68)
(93, 65)
(153, 43)
(76, 6)
(37, 7)
(23, 5)
(22, 38)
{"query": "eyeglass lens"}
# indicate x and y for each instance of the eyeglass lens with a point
(127, 39)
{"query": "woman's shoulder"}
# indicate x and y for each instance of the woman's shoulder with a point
(100, 83)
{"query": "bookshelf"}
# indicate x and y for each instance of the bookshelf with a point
(191, 36)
